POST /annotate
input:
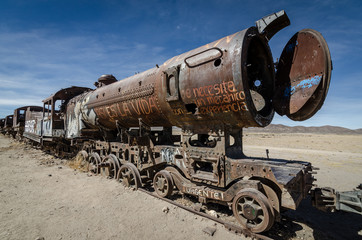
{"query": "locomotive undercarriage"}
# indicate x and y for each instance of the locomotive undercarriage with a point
(210, 167)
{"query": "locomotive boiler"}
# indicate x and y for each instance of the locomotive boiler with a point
(126, 129)
(229, 82)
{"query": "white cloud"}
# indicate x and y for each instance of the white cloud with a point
(20, 102)
(34, 64)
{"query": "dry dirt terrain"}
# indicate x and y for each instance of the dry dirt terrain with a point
(41, 197)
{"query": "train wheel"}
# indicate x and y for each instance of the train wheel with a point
(94, 161)
(273, 200)
(117, 161)
(111, 166)
(128, 174)
(252, 210)
(81, 161)
(163, 184)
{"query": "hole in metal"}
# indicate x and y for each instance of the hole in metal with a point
(217, 62)
(257, 83)
(191, 107)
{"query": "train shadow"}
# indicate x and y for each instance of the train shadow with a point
(310, 223)
(306, 222)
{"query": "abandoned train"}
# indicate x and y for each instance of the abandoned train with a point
(126, 129)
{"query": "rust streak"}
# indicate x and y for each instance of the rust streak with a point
(168, 61)
(229, 38)
(218, 42)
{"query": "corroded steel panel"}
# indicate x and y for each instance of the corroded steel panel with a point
(303, 75)
(201, 89)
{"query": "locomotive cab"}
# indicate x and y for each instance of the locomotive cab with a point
(19, 118)
(8, 125)
(55, 111)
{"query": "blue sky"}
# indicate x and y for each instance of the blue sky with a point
(47, 45)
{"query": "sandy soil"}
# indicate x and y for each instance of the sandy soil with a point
(339, 157)
(41, 197)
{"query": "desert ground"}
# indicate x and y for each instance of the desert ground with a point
(42, 198)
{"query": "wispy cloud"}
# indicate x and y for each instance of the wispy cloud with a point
(37, 63)
(20, 102)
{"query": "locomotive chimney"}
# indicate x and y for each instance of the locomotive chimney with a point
(104, 80)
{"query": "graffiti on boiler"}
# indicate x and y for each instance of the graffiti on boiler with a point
(135, 107)
(215, 98)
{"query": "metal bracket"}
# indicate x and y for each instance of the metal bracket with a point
(122, 131)
(273, 23)
(327, 199)
(203, 57)
(172, 83)
(144, 128)
(350, 201)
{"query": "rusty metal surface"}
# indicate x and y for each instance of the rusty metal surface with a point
(124, 129)
(129, 175)
(19, 119)
(229, 81)
(201, 89)
(53, 122)
(32, 127)
(328, 200)
(253, 210)
(273, 23)
(8, 121)
(8, 129)
(303, 75)
(66, 93)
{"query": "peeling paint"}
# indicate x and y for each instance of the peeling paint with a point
(306, 83)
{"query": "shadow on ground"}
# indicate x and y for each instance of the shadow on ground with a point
(305, 223)
(338, 225)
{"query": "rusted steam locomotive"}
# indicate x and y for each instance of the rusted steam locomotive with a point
(126, 129)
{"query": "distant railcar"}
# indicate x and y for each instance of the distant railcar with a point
(47, 125)
(2, 124)
(19, 119)
(8, 125)
(32, 125)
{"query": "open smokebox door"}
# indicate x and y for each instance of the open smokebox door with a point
(303, 76)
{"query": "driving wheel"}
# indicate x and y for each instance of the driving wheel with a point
(253, 211)
(163, 184)
(128, 174)
(94, 161)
